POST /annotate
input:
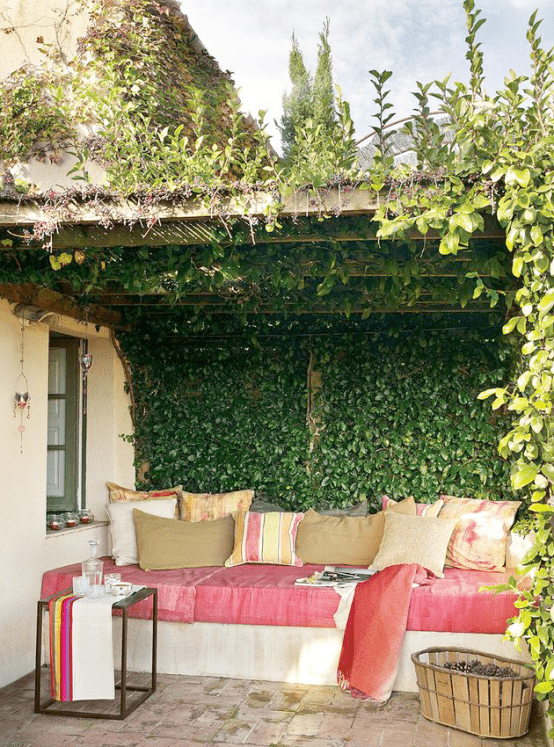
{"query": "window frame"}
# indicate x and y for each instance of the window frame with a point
(73, 446)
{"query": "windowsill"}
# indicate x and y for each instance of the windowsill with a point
(71, 530)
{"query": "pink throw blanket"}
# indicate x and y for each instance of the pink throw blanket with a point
(375, 631)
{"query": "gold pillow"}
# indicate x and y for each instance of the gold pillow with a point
(209, 506)
(338, 540)
(344, 540)
(168, 543)
(414, 539)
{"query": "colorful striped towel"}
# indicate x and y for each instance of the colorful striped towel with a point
(81, 648)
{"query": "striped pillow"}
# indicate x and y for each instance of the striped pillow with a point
(265, 538)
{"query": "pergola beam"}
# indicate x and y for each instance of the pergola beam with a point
(134, 222)
(49, 300)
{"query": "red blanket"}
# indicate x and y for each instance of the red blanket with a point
(375, 631)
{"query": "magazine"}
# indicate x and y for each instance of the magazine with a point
(336, 576)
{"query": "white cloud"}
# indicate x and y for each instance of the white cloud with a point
(418, 41)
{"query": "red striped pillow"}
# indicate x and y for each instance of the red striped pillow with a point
(265, 538)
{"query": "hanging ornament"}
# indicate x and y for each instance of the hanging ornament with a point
(85, 361)
(22, 398)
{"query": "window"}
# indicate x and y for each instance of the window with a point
(66, 407)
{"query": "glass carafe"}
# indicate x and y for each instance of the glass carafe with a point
(92, 570)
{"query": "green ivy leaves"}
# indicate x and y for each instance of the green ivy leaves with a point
(393, 416)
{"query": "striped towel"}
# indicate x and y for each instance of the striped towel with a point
(61, 646)
(81, 648)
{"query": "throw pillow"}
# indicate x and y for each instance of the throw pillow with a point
(166, 543)
(338, 540)
(209, 506)
(360, 509)
(479, 538)
(122, 526)
(422, 509)
(265, 538)
(414, 539)
(117, 493)
(406, 507)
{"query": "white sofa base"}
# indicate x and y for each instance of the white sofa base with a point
(307, 656)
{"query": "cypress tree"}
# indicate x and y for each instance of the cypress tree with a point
(323, 90)
(298, 105)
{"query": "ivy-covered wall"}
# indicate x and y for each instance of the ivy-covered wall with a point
(322, 420)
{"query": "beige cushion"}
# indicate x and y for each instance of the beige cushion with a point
(209, 506)
(338, 540)
(344, 540)
(168, 543)
(122, 526)
(414, 539)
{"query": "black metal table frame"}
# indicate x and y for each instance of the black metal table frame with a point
(124, 708)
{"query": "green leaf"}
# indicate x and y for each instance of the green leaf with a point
(524, 476)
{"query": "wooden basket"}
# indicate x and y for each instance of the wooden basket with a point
(487, 706)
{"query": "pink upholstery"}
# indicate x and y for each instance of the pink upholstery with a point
(176, 589)
(454, 604)
(266, 595)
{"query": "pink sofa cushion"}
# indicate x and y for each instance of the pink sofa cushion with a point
(267, 595)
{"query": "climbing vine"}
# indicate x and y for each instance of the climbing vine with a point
(386, 412)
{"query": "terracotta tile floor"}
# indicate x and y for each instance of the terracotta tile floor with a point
(186, 711)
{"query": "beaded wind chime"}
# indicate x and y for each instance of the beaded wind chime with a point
(22, 398)
(85, 361)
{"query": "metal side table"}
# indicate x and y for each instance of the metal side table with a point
(125, 708)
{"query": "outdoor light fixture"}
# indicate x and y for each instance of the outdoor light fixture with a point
(32, 313)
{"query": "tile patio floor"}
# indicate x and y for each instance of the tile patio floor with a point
(187, 711)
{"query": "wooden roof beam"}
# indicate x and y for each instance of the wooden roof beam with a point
(49, 300)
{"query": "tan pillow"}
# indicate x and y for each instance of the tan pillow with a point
(209, 506)
(169, 543)
(344, 540)
(407, 507)
(337, 540)
(414, 539)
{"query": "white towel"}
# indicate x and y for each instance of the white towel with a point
(92, 639)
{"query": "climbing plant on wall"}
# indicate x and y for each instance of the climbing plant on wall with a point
(321, 420)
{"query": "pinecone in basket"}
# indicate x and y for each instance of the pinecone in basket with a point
(474, 666)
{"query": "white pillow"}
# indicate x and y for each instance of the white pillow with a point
(122, 526)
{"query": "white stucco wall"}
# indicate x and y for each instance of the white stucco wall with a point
(26, 26)
(24, 22)
(25, 550)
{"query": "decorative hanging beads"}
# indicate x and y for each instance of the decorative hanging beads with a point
(22, 398)
(85, 361)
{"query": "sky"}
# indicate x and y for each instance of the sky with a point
(419, 40)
